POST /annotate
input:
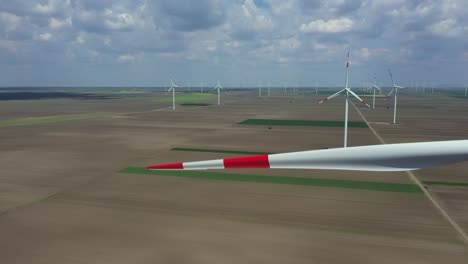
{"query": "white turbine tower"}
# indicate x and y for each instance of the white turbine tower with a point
(259, 90)
(348, 91)
(394, 90)
(173, 86)
(466, 91)
(201, 87)
(218, 87)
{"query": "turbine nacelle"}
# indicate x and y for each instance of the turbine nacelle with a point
(376, 87)
(345, 90)
(218, 85)
(172, 86)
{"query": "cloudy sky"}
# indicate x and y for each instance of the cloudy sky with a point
(240, 42)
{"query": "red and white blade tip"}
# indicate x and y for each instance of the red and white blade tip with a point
(169, 166)
(364, 102)
(324, 100)
(253, 162)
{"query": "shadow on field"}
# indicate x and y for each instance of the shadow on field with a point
(6, 96)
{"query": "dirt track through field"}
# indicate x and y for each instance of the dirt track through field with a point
(463, 236)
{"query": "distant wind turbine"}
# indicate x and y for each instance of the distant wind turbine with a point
(348, 91)
(173, 86)
(394, 90)
(218, 87)
(374, 87)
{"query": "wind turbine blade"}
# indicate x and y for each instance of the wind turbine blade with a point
(391, 92)
(376, 87)
(331, 96)
(393, 157)
(359, 98)
(170, 89)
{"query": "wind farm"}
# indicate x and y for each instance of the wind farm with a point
(377, 208)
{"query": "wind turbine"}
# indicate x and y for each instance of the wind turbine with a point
(374, 87)
(466, 91)
(173, 86)
(218, 86)
(259, 89)
(201, 87)
(395, 89)
(348, 91)
(391, 157)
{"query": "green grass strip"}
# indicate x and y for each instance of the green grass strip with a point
(459, 96)
(195, 104)
(372, 96)
(187, 98)
(275, 122)
(348, 184)
(220, 151)
(446, 183)
(49, 119)
(280, 97)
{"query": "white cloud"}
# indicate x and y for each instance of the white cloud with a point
(51, 6)
(447, 28)
(55, 23)
(210, 45)
(43, 8)
(329, 26)
(290, 44)
(126, 58)
(44, 36)
(364, 53)
(80, 39)
(119, 21)
(258, 20)
(10, 21)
